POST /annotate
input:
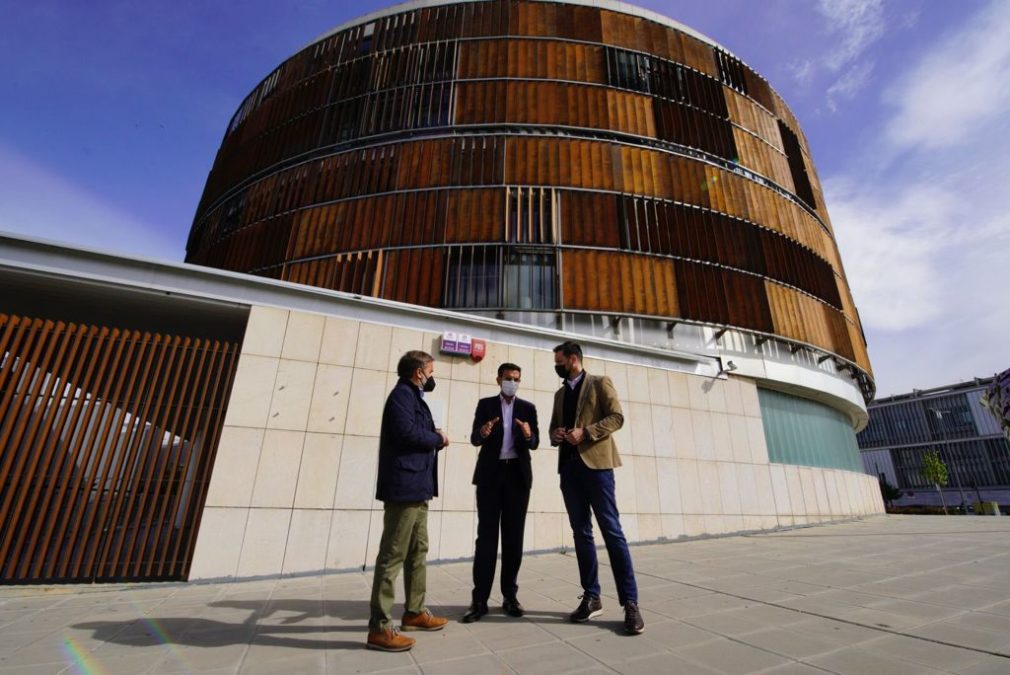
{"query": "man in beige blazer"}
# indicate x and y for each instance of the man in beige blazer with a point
(586, 413)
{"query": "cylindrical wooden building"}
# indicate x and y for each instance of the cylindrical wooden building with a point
(589, 166)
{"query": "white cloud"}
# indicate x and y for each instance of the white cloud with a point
(848, 85)
(925, 232)
(802, 71)
(859, 23)
(38, 203)
(960, 89)
(851, 27)
(889, 248)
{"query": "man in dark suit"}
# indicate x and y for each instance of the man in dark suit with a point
(505, 428)
(407, 479)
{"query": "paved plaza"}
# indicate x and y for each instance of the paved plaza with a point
(887, 594)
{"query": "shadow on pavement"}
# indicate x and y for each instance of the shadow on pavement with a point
(210, 632)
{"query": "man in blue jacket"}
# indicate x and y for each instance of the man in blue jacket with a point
(505, 428)
(407, 479)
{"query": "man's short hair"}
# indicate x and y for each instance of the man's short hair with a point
(508, 366)
(568, 348)
(411, 361)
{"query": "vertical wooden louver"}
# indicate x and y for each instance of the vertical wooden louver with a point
(107, 439)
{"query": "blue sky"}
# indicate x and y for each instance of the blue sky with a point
(111, 112)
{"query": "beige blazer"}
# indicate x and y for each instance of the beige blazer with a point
(598, 411)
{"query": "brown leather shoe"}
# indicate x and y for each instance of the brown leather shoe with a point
(389, 641)
(422, 621)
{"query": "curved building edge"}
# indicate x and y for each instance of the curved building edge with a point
(612, 5)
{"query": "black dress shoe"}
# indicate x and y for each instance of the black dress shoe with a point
(475, 612)
(512, 607)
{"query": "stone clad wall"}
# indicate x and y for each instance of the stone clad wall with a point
(292, 490)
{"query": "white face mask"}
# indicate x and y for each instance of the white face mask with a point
(509, 388)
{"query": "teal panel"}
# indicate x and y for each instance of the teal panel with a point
(801, 431)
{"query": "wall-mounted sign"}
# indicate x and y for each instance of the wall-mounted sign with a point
(461, 344)
(477, 350)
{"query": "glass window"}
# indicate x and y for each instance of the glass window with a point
(801, 431)
(529, 280)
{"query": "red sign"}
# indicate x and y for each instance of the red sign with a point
(477, 350)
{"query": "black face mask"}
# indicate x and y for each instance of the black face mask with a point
(561, 370)
(429, 384)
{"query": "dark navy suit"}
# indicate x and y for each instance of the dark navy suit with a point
(503, 495)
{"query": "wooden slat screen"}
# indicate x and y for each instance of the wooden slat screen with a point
(107, 439)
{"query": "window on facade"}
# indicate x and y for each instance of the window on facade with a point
(797, 165)
(731, 71)
(473, 277)
(497, 277)
(365, 43)
(628, 70)
(532, 215)
(949, 417)
(529, 281)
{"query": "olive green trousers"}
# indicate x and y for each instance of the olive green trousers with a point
(404, 544)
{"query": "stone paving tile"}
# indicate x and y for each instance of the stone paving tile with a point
(982, 621)
(673, 591)
(186, 658)
(795, 669)
(726, 623)
(978, 638)
(839, 632)
(988, 665)
(770, 615)
(877, 618)
(699, 606)
(34, 669)
(611, 648)
(675, 634)
(549, 659)
(731, 657)
(788, 643)
(662, 663)
(122, 664)
(484, 663)
(957, 595)
(12, 641)
(443, 645)
(924, 611)
(51, 649)
(500, 635)
(856, 661)
(309, 664)
(847, 596)
(924, 653)
(357, 659)
(1001, 608)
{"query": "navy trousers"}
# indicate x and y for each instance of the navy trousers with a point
(584, 489)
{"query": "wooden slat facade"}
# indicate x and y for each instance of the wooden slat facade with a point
(107, 439)
(661, 150)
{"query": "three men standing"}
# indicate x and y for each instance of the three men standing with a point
(505, 428)
(586, 413)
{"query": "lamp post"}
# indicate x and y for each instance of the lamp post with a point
(953, 465)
